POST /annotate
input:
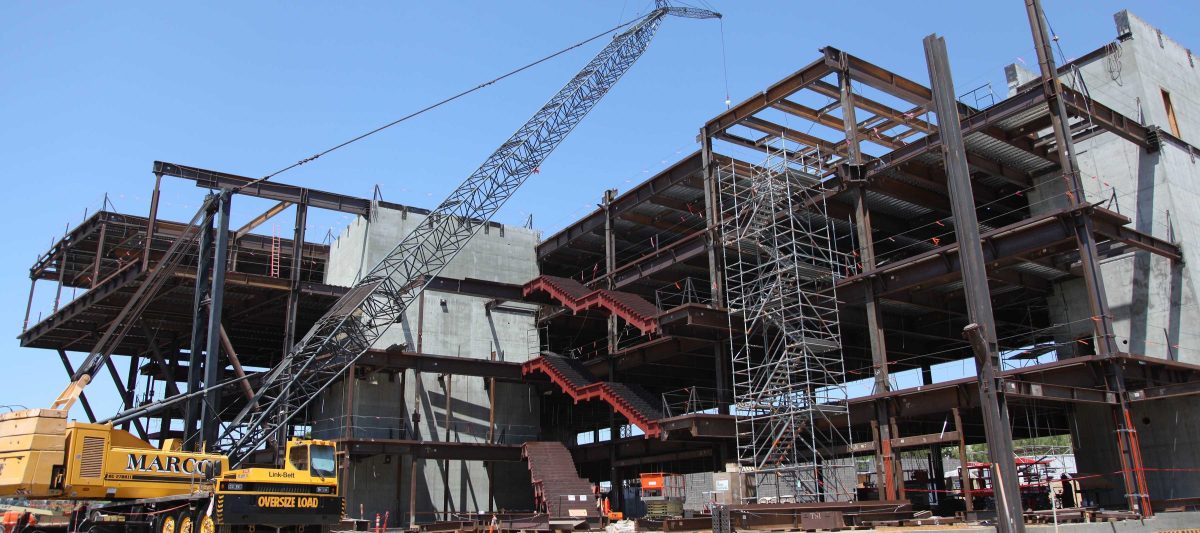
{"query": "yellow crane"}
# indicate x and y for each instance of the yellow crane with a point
(129, 485)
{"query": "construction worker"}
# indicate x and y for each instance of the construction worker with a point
(1068, 491)
(416, 422)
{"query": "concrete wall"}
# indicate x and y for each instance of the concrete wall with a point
(451, 324)
(1151, 299)
(1168, 430)
(1153, 302)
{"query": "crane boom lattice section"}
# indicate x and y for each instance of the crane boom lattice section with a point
(781, 265)
(340, 337)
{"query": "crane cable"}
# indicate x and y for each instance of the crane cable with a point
(434, 106)
(724, 63)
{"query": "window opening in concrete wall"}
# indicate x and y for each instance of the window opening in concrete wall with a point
(1166, 96)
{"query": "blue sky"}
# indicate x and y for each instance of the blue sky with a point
(92, 93)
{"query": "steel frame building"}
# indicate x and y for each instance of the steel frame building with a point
(646, 302)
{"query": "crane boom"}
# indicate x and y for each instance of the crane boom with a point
(358, 319)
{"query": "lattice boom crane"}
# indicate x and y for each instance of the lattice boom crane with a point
(380, 298)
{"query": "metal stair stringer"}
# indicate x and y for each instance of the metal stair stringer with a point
(633, 309)
(628, 400)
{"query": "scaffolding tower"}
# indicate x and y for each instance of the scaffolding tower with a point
(789, 381)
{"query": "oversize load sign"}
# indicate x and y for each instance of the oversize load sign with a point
(288, 502)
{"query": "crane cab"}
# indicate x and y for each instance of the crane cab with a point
(307, 481)
(317, 457)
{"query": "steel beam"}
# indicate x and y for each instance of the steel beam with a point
(908, 118)
(441, 364)
(682, 250)
(1174, 390)
(784, 88)
(783, 132)
(1054, 392)
(234, 360)
(1007, 108)
(478, 287)
(72, 309)
(260, 219)
(1118, 231)
(924, 441)
(1105, 117)
(211, 179)
(1017, 242)
(674, 175)
(432, 450)
(878, 77)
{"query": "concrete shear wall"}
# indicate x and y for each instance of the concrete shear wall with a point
(455, 325)
(1152, 300)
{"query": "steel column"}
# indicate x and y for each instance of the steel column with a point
(721, 361)
(152, 221)
(131, 375)
(964, 472)
(982, 331)
(884, 467)
(412, 492)
(610, 261)
(491, 497)
(712, 217)
(614, 473)
(610, 265)
(126, 397)
(1084, 232)
(449, 389)
(1105, 339)
(62, 267)
(156, 355)
(166, 420)
(351, 384)
(195, 356)
(29, 305)
(99, 254)
(168, 375)
(211, 424)
(293, 302)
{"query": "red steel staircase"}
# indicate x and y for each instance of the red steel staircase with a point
(557, 487)
(573, 295)
(640, 407)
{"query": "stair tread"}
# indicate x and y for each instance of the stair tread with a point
(553, 470)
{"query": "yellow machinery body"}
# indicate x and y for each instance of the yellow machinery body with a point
(44, 456)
